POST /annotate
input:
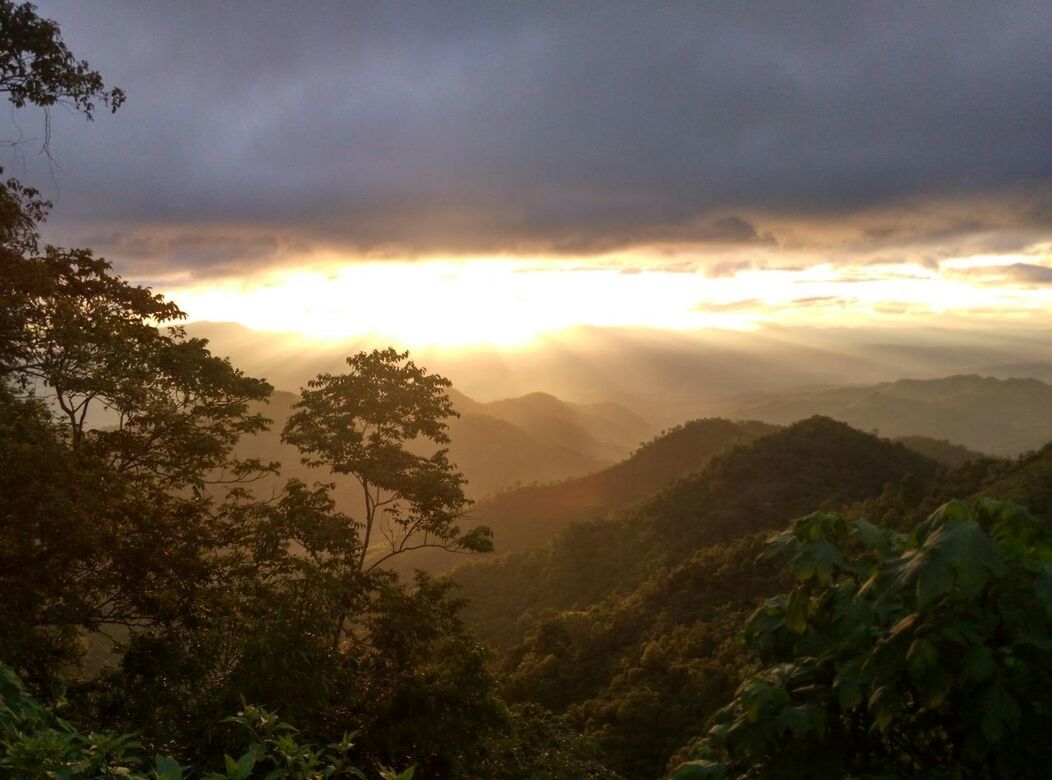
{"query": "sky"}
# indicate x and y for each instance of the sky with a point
(458, 173)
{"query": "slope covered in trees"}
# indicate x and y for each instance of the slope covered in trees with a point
(815, 463)
(644, 671)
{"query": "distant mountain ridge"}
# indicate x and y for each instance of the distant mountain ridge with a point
(1002, 417)
(534, 438)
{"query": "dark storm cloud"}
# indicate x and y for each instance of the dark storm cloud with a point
(527, 127)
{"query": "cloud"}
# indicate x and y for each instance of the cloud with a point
(1027, 273)
(1020, 274)
(478, 128)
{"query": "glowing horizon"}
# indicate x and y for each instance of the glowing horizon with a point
(508, 302)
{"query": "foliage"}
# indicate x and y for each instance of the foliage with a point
(37, 68)
(749, 488)
(34, 742)
(927, 654)
(529, 516)
(360, 423)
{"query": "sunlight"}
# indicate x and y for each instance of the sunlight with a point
(512, 303)
(457, 303)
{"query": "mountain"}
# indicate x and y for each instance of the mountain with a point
(592, 433)
(642, 671)
(668, 377)
(528, 516)
(1038, 370)
(536, 438)
(999, 416)
(814, 464)
(943, 452)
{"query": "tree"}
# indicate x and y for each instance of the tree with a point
(37, 67)
(920, 655)
(361, 423)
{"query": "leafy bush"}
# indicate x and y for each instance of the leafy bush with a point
(928, 654)
(35, 743)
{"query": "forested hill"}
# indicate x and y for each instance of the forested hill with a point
(956, 408)
(941, 451)
(528, 516)
(644, 670)
(810, 465)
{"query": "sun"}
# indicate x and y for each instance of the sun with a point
(451, 304)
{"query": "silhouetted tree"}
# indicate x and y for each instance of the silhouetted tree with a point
(360, 423)
(37, 68)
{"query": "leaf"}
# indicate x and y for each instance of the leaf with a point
(166, 768)
(796, 720)
(884, 704)
(848, 685)
(700, 769)
(972, 553)
(872, 536)
(978, 664)
(934, 579)
(796, 610)
(921, 658)
(999, 710)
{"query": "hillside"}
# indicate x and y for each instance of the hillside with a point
(528, 516)
(943, 452)
(1000, 416)
(642, 672)
(813, 464)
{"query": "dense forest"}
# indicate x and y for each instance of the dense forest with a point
(730, 599)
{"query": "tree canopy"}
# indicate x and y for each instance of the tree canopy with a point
(361, 423)
(919, 655)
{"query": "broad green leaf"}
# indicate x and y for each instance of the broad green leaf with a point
(883, 705)
(166, 768)
(848, 685)
(796, 610)
(872, 536)
(795, 720)
(999, 710)
(934, 579)
(921, 658)
(978, 664)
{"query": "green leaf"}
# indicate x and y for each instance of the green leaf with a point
(796, 610)
(999, 710)
(166, 768)
(921, 658)
(884, 704)
(978, 664)
(934, 579)
(872, 536)
(848, 685)
(796, 720)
